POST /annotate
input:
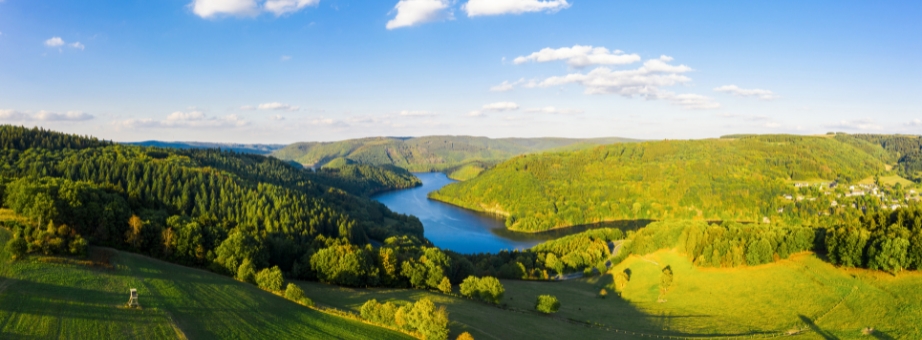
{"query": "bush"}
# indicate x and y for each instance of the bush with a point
(465, 336)
(423, 317)
(547, 304)
(294, 293)
(17, 247)
(487, 288)
(246, 272)
(445, 286)
(270, 279)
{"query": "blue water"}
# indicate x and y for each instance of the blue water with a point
(453, 228)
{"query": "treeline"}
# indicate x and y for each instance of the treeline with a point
(421, 317)
(366, 180)
(726, 180)
(727, 244)
(888, 241)
(202, 207)
(567, 254)
(905, 150)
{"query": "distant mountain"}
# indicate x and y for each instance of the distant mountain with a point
(258, 149)
(432, 153)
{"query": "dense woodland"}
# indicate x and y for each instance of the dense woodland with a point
(882, 240)
(432, 153)
(733, 179)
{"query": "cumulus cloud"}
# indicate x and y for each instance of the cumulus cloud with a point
(247, 8)
(54, 42)
(77, 45)
(499, 7)
(285, 58)
(413, 12)
(277, 118)
(739, 92)
(554, 110)
(856, 125)
(646, 81)
(274, 106)
(580, 56)
(506, 86)
(180, 119)
(915, 122)
(281, 7)
(44, 116)
(494, 107)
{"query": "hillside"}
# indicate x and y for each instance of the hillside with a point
(48, 297)
(257, 149)
(722, 179)
(201, 207)
(432, 153)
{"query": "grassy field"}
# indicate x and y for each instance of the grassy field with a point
(48, 300)
(802, 293)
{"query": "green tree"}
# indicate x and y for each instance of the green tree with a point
(547, 304)
(294, 293)
(17, 247)
(247, 271)
(445, 286)
(270, 279)
(666, 279)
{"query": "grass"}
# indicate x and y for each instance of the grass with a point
(40, 299)
(889, 181)
(801, 293)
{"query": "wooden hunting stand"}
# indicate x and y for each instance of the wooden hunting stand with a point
(133, 299)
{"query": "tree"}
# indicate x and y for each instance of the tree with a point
(465, 336)
(270, 279)
(487, 288)
(133, 235)
(294, 293)
(17, 247)
(547, 304)
(666, 279)
(445, 286)
(246, 272)
(603, 293)
(621, 280)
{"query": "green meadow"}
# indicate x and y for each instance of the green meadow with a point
(58, 298)
(803, 296)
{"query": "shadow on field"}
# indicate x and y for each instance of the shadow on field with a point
(65, 302)
(826, 335)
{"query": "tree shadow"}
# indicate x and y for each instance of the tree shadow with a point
(826, 335)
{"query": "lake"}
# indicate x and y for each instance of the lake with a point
(454, 228)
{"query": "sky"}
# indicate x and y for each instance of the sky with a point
(283, 71)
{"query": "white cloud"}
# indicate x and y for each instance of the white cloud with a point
(416, 113)
(68, 116)
(736, 91)
(277, 118)
(285, 58)
(645, 82)
(54, 42)
(505, 86)
(494, 107)
(213, 8)
(274, 106)
(501, 106)
(554, 110)
(77, 45)
(281, 7)
(45, 116)
(580, 56)
(857, 125)
(413, 12)
(915, 122)
(500, 7)
(248, 108)
(179, 119)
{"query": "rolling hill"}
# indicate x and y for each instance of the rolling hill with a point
(432, 153)
(737, 179)
(62, 298)
(257, 149)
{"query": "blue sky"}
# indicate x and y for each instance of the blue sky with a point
(280, 71)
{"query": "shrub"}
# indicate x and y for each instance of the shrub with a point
(270, 279)
(246, 272)
(17, 247)
(445, 286)
(487, 288)
(294, 293)
(603, 293)
(465, 336)
(547, 304)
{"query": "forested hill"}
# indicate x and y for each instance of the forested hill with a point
(433, 153)
(719, 179)
(258, 149)
(202, 207)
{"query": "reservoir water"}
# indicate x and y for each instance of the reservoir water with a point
(454, 228)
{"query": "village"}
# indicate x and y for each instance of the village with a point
(856, 196)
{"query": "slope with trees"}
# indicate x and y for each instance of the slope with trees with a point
(738, 179)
